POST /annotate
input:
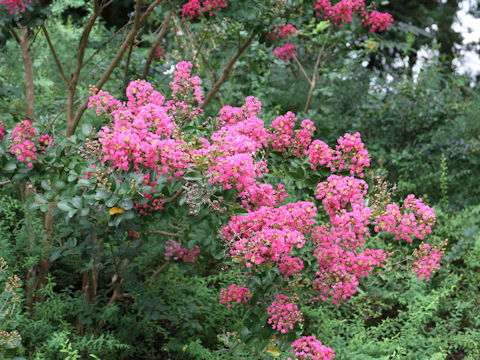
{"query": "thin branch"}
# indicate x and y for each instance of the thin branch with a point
(158, 271)
(226, 71)
(313, 83)
(166, 233)
(157, 41)
(54, 53)
(5, 182)
(79, 60)
(150, 9)
(177, 194)
(127, 64)
(15, 35)
(11, 111)
(101, 48)
(139, 19)
(302, 69)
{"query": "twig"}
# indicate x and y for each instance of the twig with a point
(302, 69)
(106, 42)
(313, 83)
(155, 274)
(54, 53)
(156, 42)
(127, 64)
(166, 233)
(177, 194)
(138, 21)
(15, 35)
(78, 67)
(226, 71)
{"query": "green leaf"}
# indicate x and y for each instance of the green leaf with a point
(10, 166)
(64, 206)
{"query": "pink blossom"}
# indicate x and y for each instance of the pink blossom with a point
(234, 294)
(175, 250)
(210, 5)
(12, 6)
(341, 12)
(427, 260)
(285, 52)
(283, 314)
(191, 9)
(2, 131)
(377, 21)
(22, 142)
(309, 348)
(414, 219)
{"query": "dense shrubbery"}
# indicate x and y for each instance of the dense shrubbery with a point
(156, 224)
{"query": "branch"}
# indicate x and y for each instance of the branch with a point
(166, 233)
(139, 19)
(313, 83)
(226, 71)
(15, 35)
(177, 194)
(156, 42)
(302, 69)
(106, 42)
(27, 63)
(79, 60)
(57, 61)
(158, 271)
(127, 64)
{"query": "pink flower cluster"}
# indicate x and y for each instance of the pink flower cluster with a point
(45, 140)
(350, 153)
(341, 265)
(283, 314)
(340, 270)
(341, 12)
(427, 260)
(2, 131)
(12, 6)
(377, 21)
(234, 294)
(344, 10)
(415, 219)
(339, 191)
(286, 140)
(154, 202)
(309, 348)
(145, 133)
(231, 155)
(285, 52)
(268, 235)
(193, 8)
(175, 250)
(281, 31)
(22, 142)
(184, 81)
(142, 131)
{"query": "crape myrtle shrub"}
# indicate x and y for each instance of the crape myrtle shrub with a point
(280, 254)
(161, 231)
